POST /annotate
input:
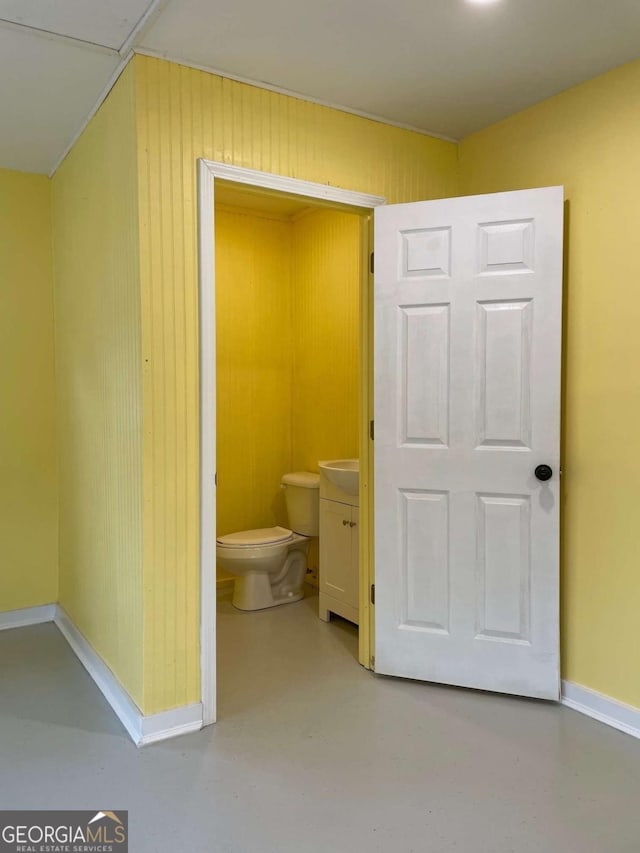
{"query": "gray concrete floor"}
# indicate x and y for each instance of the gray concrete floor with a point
(313, 753)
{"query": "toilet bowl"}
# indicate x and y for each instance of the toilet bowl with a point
(270, 564)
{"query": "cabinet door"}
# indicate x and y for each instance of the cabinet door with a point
(335, 549)
(353, 586)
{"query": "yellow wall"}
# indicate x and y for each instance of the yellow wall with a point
(98, 323)
(326, 302)
(184, 114)
(28, 488)
(588, 139)
(254, 354)
(326, 369)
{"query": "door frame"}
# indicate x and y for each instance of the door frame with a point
(363, 205)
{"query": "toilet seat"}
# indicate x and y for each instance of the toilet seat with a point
(254, 538)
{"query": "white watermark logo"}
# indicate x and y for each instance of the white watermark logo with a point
(64, 832)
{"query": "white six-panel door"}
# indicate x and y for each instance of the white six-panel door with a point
(468, 304)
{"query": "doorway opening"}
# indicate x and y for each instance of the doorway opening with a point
(285, 385)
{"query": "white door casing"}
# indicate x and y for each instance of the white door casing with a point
(468, 310)
(208, 172)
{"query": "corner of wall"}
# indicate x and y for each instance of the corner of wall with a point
(97, 310)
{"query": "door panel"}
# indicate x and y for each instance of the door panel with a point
(424, 341)
(503, 386)
(503, 567)
(468, 296)
(425, 542)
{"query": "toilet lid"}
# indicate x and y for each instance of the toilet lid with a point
(263, 536)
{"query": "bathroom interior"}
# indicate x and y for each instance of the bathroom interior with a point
(288, 273)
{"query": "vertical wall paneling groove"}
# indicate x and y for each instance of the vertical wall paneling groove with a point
(183, 114)
(98, 322)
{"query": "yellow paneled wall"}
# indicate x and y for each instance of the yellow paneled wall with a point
(183, 114)
(254, 374)
(326, 375)
(98, 329)
(588, 139)
(28, 488)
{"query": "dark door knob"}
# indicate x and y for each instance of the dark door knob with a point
(544, 472)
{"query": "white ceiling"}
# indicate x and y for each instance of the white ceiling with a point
(103, 22)
(47, 87)
(446, 66)
(57, 58)
(443, 66)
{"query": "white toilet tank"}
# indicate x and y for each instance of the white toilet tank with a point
(302, 496)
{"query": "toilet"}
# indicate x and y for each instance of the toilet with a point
(270, 564)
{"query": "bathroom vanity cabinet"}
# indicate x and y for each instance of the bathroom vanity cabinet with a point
(338, 570)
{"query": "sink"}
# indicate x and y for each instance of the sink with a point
(343, 473)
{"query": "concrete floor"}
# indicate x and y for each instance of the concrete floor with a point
(313, 753)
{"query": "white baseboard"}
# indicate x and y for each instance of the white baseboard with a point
(610, 711)
(126, 710)
(27, 616)
(142, 729)
(169, 724)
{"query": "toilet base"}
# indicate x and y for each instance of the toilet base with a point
(259, 590)
(243, 601)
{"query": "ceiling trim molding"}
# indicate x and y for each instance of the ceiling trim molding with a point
(113, 79)
(157, 54)
(39, 32)
(147, 18)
